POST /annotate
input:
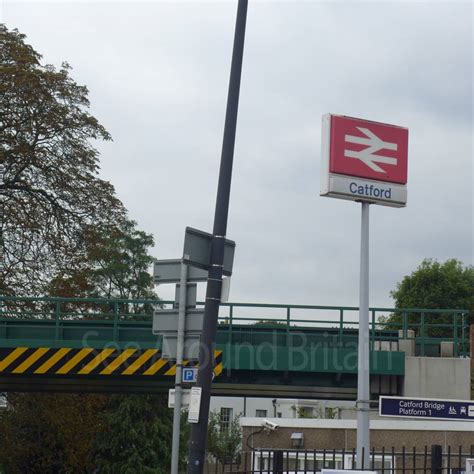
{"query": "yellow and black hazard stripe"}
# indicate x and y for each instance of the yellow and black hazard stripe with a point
(67, 361)
(218, 363)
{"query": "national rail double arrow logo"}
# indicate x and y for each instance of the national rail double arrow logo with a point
(367, 155)
(365, 149)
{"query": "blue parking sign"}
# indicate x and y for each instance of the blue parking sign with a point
(190, 374)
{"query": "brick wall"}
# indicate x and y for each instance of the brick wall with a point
(344, 438)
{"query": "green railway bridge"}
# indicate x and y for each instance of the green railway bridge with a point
(275, 350)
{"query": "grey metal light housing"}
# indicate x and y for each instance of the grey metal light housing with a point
(297, 440)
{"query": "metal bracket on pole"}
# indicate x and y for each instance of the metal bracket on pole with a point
(361, 405)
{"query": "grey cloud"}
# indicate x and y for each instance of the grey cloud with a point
(158, 76)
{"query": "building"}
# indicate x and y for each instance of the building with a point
(443, 377)
(313, 444)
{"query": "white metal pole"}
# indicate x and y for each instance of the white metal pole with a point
(363, 379)
(178, 390)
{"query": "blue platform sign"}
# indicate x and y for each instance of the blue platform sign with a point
(190, 374)
(427, 408)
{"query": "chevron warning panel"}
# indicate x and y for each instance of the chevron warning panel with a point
(85, 362)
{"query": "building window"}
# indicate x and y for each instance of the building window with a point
(279, 414)
(331, 413)
(305, 412)
(261, 413)
(225, 418)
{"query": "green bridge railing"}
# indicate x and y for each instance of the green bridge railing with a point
(249, 322)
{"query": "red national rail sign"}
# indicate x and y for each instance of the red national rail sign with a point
(364, 160)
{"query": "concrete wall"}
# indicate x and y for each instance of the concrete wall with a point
(438, 377)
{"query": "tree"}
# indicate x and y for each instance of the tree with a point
(65, 233)
(49, 432)
(57, 432)
(114, 265)
(137, 436)
(224, 443)
(434, 285)
(51, 195)
(121, 263)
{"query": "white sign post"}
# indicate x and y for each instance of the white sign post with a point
(366, 162)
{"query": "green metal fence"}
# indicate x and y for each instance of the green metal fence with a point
(61, 319)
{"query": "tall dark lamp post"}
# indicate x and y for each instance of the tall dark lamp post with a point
(197, 444)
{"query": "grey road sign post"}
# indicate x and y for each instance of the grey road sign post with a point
(165, 324)
(179, 367)
(197, 251)
(169, 271)
(197, 444)
(172, 325)
(181, 326)
(363, 379)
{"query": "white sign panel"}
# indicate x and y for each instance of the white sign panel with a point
(363, 160)
(185, 396)
(354, 189)
(194, 405)
(225, 289)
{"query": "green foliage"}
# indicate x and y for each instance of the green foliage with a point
(48, 432)
(448, 285)
(63, 232)
(116, 264)
(271, 323)
(63, 433)
(51, 194)
(332, 413)
(318, 411)
(434, 285)
(130, 430)
(224, 444)
(301, 412)
(137, 436)
(121, 263)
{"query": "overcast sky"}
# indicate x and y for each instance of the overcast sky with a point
(158, 75)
